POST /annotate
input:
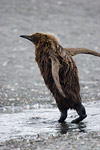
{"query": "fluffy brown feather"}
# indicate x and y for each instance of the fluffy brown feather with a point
(59, 72)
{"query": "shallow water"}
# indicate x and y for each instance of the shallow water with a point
(26, 107)
(43, 121)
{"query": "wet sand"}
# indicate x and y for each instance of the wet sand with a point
(28, 113)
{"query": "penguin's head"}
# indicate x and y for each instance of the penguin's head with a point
(40, 37)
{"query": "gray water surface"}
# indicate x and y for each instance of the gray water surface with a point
(27, 109)
(43, 121)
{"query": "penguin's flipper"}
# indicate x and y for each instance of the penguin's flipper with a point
(55, 73)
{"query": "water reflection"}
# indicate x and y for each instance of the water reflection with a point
(65, 127)
(43, 121)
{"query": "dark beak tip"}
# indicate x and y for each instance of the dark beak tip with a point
(26, 37)
(23, 36)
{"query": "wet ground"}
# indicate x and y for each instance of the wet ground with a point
(28, 113)
(42, 121)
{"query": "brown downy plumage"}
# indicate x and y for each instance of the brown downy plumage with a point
(60, 72)
(75, 51)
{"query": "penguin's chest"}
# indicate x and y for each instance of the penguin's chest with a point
(44, 65)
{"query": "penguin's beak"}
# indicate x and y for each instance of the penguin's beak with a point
(26, 37)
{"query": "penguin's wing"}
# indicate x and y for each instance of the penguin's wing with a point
(55, 73)
(75, 51)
